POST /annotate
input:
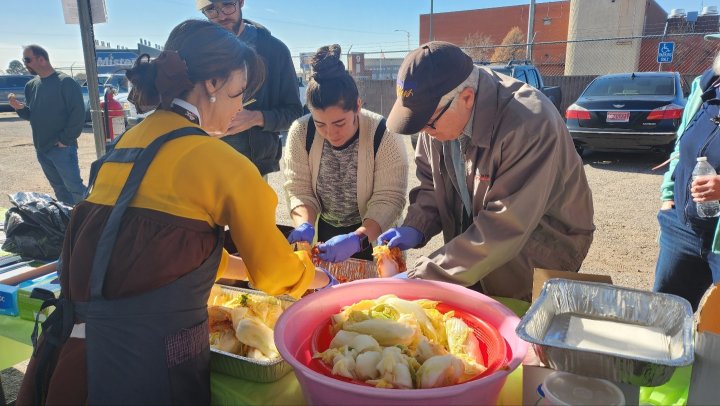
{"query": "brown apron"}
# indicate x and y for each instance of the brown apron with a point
(151, 348)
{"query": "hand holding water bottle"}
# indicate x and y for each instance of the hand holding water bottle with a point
(705, 188)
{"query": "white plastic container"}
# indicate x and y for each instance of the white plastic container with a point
(564, 388)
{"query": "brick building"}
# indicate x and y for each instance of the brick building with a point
(576, 21)
(492, 24)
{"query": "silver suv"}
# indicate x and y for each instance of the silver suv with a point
(12, 84)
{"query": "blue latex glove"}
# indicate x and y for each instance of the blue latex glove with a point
(401, 275)
(339, 248)
(330, 276)
(303, 232)
(402, 237)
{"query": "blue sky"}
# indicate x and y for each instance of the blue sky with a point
(367, 25)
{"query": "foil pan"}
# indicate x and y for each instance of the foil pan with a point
(610, 332)
(351, 269)
(247, 368)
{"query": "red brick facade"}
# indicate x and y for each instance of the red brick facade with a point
(551, 24)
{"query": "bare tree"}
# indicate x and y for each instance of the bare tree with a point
(478, 46)
(16, 68)
(513, 46)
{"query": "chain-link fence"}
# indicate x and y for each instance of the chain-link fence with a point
(692, 55)
(573, 64)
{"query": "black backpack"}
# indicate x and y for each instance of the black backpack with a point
(379, 132)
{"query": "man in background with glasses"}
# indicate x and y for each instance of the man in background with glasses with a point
(499, 176)
(254, 132)
(55, 108)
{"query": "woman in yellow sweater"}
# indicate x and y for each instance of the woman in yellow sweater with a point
(142, 252)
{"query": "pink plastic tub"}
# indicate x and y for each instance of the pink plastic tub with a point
(297, 324)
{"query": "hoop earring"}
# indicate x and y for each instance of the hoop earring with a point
(213, 99)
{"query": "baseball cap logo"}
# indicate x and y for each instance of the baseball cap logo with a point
(405, 88)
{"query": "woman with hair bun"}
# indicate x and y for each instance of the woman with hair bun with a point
(143, 250)
(344, 170)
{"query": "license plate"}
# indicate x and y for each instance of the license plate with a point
(618, 116)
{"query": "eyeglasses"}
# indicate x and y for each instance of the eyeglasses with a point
(27, 59)
(226, 8)
(435, 120)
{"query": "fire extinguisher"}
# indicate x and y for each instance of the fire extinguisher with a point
(113, 116)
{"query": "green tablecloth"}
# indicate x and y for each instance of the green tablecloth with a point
(15, 344)
(15, 347)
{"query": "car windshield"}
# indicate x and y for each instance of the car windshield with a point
(118, 81)
(629, 86)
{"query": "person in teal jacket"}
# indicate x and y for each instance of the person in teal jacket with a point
(689, 258)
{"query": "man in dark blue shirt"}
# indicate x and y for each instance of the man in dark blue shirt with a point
(55, 108)
(254, 132)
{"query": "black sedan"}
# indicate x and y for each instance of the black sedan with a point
(628, 112)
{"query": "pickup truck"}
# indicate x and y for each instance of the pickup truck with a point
(528, 73)
(523, 71)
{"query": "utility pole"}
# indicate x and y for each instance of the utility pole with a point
(531, 28)
(431, 21)
(88, 41)
(667, 20)
(408, 37)
(349, 61)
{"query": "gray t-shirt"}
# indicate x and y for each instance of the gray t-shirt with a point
(337, 184)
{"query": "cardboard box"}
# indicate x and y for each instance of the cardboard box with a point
(8, 300)
(540, 276)
(19, 279)
(706, 368)
(28, 307)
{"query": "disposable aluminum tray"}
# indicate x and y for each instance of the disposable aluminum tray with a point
(669, 315)
(350, 270)
(247, 368)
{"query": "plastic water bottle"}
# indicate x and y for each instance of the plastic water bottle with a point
(703, 168)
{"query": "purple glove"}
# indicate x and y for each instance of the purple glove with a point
(303, 232)
(402, 237)
(339, 248)
(330, 276)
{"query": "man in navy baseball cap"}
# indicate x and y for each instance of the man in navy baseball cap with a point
(425, 76)
(498, 172)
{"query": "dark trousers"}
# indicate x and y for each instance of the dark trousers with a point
(686, 265)
(61, 168)
(325, 232)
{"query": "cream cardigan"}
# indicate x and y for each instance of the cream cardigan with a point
(382, 178)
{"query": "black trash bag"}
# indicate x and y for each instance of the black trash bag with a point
(35, 227)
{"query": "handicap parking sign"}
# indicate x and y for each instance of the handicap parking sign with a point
(665, 52)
